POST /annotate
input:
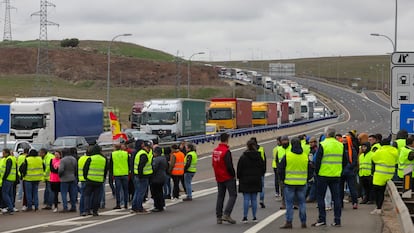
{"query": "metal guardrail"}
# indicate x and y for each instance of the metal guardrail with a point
(400, 208)
(246, 131)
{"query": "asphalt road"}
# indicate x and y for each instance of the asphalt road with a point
(199, 215)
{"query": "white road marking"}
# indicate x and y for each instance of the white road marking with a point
(262, 224)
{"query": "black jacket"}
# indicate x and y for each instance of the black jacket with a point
(250, 170)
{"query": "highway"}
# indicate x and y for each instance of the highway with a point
(365, 115)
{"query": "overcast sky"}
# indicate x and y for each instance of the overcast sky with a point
(228, 29)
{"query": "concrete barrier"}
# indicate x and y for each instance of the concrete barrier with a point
(400, 208)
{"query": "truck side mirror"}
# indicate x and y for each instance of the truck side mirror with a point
(129, 117)
(177, 115)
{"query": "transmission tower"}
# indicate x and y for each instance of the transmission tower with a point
(7, 36)
(42, 85)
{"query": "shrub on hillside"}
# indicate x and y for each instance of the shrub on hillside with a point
(74, 42)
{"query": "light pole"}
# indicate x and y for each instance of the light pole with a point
(109, 66)
(189, 73)
(387, 37)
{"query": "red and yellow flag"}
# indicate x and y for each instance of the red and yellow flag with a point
(116, 128)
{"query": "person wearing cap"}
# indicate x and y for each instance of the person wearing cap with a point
(8, 176)
(142, 173)
(280, 154)
(32, 172)
(159, 167)
(190, 169)
(176, 169)
(94, 172)
(119, 168)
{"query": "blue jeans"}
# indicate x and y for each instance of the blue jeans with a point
(48, 195)
(249, 199)
(72, 188)
(8, 194)
(188, 177)
(20, 193)
(321, 186)
(121, 184)
(298, 193)
(82, 197)
(31, 190)
(167, 187)
(263, 191)
(141, 186)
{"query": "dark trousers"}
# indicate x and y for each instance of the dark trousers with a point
(158, 195)
(176, 188)
(55, 187)
(277, 189)
(350, 181)
(379, 195)
(121, 183)
(230, 186)
(333, 184)
(366, 183)
(92, 196)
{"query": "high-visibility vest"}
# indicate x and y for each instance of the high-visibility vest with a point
(305, 147)
(375, 147)
(365, 164)
(178, 168)
(384, 159)
(1, 171)
(262, 152)
(120, 163)
(46, 160)
(96, 170)
(148, 166)
(81, 165)
(331, 164)
(281, 152)
(403, 161)
(275, 149)
(193, 165)
(400, 144)
(34, 169)
(20, 161)
(296, 168)
(12, 175)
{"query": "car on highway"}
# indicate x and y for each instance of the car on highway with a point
(77, 142)
(141, 135)
(15, 147)
(106, 142)
(212, 128)
(38, 145)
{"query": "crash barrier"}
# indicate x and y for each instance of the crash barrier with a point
(400, 208)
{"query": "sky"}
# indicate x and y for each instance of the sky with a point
(228, 29)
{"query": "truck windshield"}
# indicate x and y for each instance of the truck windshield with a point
(158, 118)
(259, 115)
(220, 114)
(27, 121)
(303, 108)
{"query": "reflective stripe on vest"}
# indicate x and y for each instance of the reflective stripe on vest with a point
(12, 175)
(281, 152)
(81, 165)
(46, 160)
(34, 168)
(296, 168)
(403, 161)
(148, 166)
(385, 159)
(178, 168)
(194, 158)
(120, 163)
(96, 170)
(1, 171)
(331, 164)
(365, 164)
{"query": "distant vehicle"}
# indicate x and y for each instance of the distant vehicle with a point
(264, 113)
(77, 142)
(135, 117)
(212, 128)
(15, 147)
(268, 83)
(141, 135)
(43, 119)
(230, 113)
(38, 146)
(294, 110)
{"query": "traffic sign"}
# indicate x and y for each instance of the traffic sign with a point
(395, 121)
(402, 85)
(402, 58)
(4, 119)
(407, 117)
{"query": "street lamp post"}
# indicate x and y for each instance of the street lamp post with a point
(388, 38)
(189, 73)
(109, 66)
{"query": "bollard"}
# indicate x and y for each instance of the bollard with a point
(407, 182)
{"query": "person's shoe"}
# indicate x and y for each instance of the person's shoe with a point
(282, 207)
(95, 214)
(144, 211)
(125, 207)
(303, 225)
(15, 209)
(117, 208)
(328, 208)
(277, 195)
(47, 208)
(83, 214)
(244, 220)
(318, 224)
(295, 207)
(188, 199)
(334, 224)
(219, 221)
(262, 205)
(24, 208)
(255, 220)
(55, 210)
(156, 210)
(376, 212)
(287, 225)
(133, 211)
(355, 206)
(228, 219)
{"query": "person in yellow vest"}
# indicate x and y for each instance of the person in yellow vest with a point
(403, 157)
(21, 195)
(399, 143)
(142, 174)
(1, 182)
(384, 160)
(190, 168)
(48, 195)
(176, 170)
(375, 140)
(94, 172)
(365, 172)
(293, 171)
(262, 152)
(81, 178)
(330, 161)
(9, 176)
(280, 154)
(276, 175)
(119, 168)
(32, 171)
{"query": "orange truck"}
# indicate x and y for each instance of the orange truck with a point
(230, 113)
(264, 113)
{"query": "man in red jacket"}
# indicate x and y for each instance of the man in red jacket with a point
(225, 177)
